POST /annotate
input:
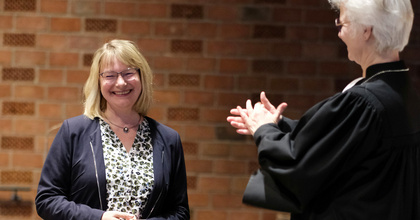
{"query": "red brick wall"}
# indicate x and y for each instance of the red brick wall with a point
(208, 56)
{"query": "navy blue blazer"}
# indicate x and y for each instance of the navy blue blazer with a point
(73, 184)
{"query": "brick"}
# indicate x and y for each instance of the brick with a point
(81, 7)
(27, 160)
(187, 80)
(289, 15)
(258, 49)
(235, 31)
(17, 143)
(77, 76)
(328, 51)
(19, 40)
(84, 42)
(101, 25)
(316, 86)
(153, 10)
(199, 132)
(29, 91)
(199, 166)
(4, 159)
(66, 24)
(167, 97)
(153, 45)
(31, 126)
(232, 100)
(228, 133)
(50, 110)
(284, 85)
(54, 6)
(31, 23)
(183, 114)
(51, 76)
(211, 215)
(121, 9)
(30, 58)
(333, 69)
(256, 14)
(20, 5)
(219, 150)
(214, 184)
(244, 151)
(52, 42)
(186, 11)
(199, 98)
(198, 199)
(320, 16)
(233, 66)
(158, 80)
(72, 110)
(5, 90)
(227, 201)
(16, 177)
(136, 27)
(301, 68)
(239, 184)
(190, 148)
(248, 83)
(169, 63)
(6, 22)
(169, 29)
(229, 167)
(191, 182)
(18, 108)
(186, 46)
(5, 57)
(280, 2)
(64, 93)
(223, 13)
(221, 48)
(268, 66)
(18, 74)
(243, 215)
(157, 113)
(214, 115)
(201, 30)
(269, 32)
(286, 50)
(219, 82)
(299, 33)
(64, 59)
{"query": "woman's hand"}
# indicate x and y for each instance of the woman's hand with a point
(114, 215)
(247, 121)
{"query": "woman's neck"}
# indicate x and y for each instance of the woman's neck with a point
(379, 58)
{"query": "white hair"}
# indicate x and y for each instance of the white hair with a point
(391, 20)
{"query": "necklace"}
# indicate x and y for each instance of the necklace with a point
(125, 128)
(385, 71)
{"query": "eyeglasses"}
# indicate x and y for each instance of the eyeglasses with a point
(339, 24)
(127, 75)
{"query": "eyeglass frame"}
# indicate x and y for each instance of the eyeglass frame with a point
(338, 24)
(119, 73)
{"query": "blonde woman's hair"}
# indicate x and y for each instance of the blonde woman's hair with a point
(126, 52)
(391, 20)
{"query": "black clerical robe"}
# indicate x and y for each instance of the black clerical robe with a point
(355, 155)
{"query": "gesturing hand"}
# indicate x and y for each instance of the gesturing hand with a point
(114, 215)
(247, 121)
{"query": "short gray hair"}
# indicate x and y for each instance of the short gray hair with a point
(391, 20)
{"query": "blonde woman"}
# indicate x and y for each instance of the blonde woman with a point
(114, 162)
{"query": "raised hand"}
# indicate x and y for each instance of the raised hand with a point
(247, 121)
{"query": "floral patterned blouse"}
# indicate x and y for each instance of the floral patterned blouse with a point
(129, 175)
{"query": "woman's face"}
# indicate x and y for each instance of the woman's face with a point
(353, 38)
(120, 94)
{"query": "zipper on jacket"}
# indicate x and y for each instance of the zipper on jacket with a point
(96, 173)
(160, 194)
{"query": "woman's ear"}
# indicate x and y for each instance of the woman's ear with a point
(367, 34)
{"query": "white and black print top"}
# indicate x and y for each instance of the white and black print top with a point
(129, 176)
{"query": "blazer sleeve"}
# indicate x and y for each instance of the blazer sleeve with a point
(301, 163)
(54, 190)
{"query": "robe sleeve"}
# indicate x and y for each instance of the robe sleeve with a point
(301, 163)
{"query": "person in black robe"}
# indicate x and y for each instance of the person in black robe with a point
(355, 155)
